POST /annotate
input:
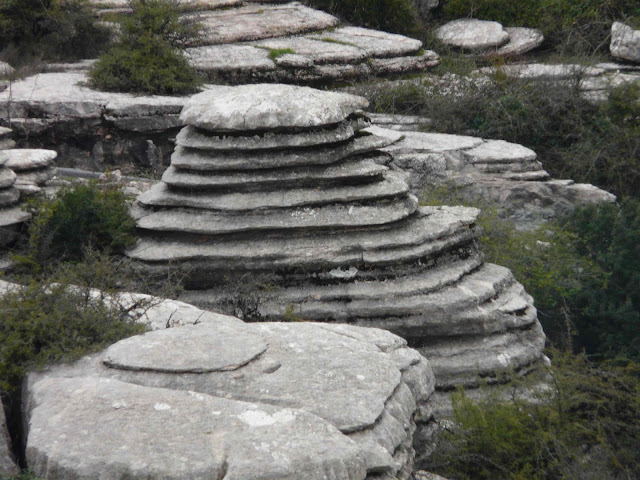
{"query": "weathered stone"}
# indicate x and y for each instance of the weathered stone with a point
(6, 69)
(12, 216)
(375, 43)
(8, 466)
(35, 177)
(423, 142)
(267, 107)
(230, 58)
(199, 139)
(472, 34)
(625, 42)
(521, 41)
(198, 160)
(393, 185)
(23, 159)
(9, 196)
(499, 151)
(319, 50)
(319, 400)
(256, 22)
(397, 65)
(7, 177)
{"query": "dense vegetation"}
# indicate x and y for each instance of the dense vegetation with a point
(147, 57)
(34, 30)
(396, 16)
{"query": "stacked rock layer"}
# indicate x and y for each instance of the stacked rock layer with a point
(281, 205)
(33, 167)
(206, 395)
(11, 215)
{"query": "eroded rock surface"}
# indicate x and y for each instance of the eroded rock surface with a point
(625, 42)
(7, 465)
(221, 398)
(472, 34)
(497, 172)
(274, 224)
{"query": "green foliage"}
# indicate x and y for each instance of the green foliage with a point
(278, 52)
(609, 236)
(49, 29)
(26, 475)
(80, 216)
(571, 26)
(43, 323)
(396, 16)
(585, 426)
(148, 56)
(575, 138)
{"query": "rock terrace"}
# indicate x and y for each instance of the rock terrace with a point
(213, 397)
(271, 228)
(250, 42)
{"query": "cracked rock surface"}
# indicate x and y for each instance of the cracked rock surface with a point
(213, 397)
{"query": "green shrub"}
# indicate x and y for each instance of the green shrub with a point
(570, 26)
(584, 427)
(49, 29)
(80, 216)
(396, 16)
(148, 56)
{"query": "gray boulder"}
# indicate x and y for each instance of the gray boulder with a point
(625, 42)
(472, 34)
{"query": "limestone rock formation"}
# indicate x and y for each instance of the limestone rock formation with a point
(221, 398)
(472, 34)
(482, 37)
(251, 42)
(625, 42)
(486, 171)
(307, 221)
(11, 215)
(33, 167)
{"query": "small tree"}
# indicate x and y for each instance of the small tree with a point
(148, 58)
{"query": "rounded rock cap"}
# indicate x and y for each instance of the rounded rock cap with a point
(268, 107)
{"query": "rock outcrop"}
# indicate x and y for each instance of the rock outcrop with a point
(11, 215)
(8, 466)
(495, 172)
(625, 42)
(251, 42)
(33, 167)
(283, 206)
(482, 37)
(208, 396)
(6, 141)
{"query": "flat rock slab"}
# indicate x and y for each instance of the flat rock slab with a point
(318, 49)
(183, 5)
(499, 151)
(373, 42)
(193, 137)
(201, 160)
(256, 22)
(13, 216)
(330, 216)
(521, 41)
(392, 185)
(625, 42)
(412, 142)
(266, 107)
(27, 159)
(6, 69)
(208, 350)
(230, 58)
(472, 34)
(7, 177)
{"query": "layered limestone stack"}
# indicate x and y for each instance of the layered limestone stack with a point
(249, 42)
(209, 396)
(6, 141)
(33, 167)
(11, 215)
(282, 206)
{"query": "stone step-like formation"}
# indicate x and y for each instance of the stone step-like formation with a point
(11, 215)
(33, 167)
(281, 205)
(205, 395)
(6, 142)
(250, 42)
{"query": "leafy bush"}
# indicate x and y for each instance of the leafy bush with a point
(396, 16)
(50, 29)
(80, 216)
(571, 26)
(584, 427)
(609, 320)
(148, 57)
(573, 137)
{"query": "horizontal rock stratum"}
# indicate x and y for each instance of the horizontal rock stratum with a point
(207, 396)
(304, 219)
